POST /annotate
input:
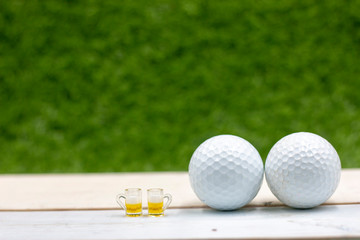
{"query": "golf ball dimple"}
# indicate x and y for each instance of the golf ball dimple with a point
(226, 172)
(302, 170)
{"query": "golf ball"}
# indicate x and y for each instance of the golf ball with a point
(302, 170)
(226, 172)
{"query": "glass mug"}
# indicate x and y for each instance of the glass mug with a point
(133, 202)
(156, 206)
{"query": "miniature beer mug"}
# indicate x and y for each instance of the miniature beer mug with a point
(156, 206)
(133, 202)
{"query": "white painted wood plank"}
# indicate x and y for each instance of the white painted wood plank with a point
(331, 221)
(98, 191)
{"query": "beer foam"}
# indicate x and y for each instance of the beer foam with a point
(155, 198)
(132, 200)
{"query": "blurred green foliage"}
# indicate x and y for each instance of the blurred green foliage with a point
(93, 86)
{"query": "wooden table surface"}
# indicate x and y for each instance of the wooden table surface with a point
(82, 206)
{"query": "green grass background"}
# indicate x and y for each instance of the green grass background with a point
(94, 86)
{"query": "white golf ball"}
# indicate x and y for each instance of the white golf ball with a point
(226, 172)
(302, 170)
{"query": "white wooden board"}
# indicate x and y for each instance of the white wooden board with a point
(332, 221)
(98, 191)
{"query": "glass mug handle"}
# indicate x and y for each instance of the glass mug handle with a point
(169, 199)
(118, 200)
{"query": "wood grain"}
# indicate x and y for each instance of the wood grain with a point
(333, 222)
(98, 191)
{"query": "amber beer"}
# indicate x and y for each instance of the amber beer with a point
(133, 202)
(133, 207)
(156, 204)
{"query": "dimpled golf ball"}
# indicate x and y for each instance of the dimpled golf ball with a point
(226, 172)
(302, 170)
